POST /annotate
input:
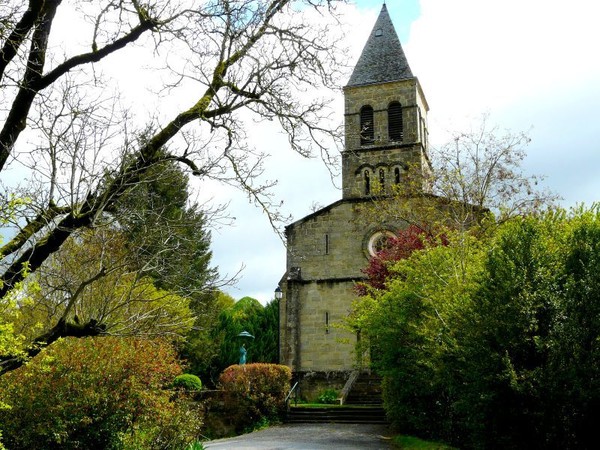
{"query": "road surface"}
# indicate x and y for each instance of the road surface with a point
(319, 436)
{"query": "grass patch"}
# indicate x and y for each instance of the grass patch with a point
(413, 443)
(328, 405)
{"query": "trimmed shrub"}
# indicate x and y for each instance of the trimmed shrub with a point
(254, 392)
(101, 393)
(187, 382)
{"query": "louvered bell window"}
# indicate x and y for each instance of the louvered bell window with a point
(367, 130)
(396, 130)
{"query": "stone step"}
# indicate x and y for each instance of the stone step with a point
(366, 390)
(344, 414)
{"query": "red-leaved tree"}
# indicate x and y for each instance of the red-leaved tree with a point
(398, 247)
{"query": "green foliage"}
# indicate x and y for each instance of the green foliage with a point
(11, 341)
(97, 393)
(254, 392)
(188, 382)
(125, 302)
(494, 343)
(145, 274)
(328, 397)
(261, 321)
(203, 341)
(158, 207)
(407, 329)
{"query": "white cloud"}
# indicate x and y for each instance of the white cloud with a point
(474, 55)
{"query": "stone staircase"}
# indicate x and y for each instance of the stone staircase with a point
(366, 391)
(337, 414)
(363, 405)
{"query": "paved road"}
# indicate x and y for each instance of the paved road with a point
(310, 437)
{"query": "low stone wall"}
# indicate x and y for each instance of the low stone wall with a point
(311, 383)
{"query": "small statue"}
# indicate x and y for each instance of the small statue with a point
(243, 354)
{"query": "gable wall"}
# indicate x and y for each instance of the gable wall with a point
(321, 285)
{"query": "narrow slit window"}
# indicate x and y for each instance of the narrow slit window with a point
(367, 183)
(327, 244)
(367, 129)
(327, 322)
(382, 178)
(397, 175)
(395, 126)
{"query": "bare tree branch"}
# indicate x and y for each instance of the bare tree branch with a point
(241, 57)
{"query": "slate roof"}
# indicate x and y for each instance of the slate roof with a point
(382, 59)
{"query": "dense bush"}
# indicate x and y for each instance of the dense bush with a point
(187, 382)
(254, 392)
(100, 393)
(493, 343)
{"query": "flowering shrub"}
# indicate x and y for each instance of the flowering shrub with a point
(101, 392)
(254, 392)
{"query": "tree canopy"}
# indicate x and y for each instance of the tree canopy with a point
(492, 342)
(215, 345)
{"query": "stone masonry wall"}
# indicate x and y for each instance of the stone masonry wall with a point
(331, 244)
(379, 96)
(326, 346)
(318, 293)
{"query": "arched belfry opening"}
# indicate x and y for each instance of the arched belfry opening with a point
(367, 127)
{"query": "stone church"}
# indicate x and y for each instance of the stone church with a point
(385, 138)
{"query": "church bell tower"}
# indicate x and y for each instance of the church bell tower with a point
(327, 250)
(385, 118)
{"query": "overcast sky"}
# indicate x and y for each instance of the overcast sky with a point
(531, 64)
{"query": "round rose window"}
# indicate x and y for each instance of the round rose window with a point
(378, 241)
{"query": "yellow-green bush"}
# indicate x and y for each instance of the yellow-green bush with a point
(187, 382)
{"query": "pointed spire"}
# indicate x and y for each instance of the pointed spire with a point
(382, 59)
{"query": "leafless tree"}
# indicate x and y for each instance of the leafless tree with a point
(64, 126)
(231, 56)
(476, 178)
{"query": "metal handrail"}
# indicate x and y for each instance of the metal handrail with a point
(287, 397)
